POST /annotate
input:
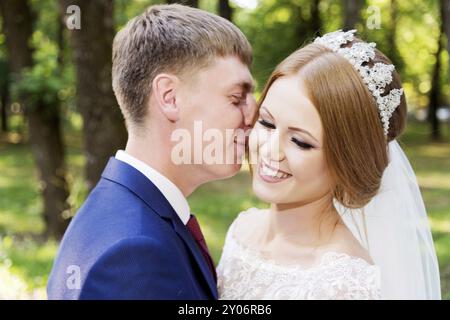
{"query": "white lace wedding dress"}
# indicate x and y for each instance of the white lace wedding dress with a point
(245, 274)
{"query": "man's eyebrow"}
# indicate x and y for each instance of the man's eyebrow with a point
(249, 86)
(246, 86)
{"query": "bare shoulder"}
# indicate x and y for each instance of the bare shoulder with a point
(344, 241)
(247, 227)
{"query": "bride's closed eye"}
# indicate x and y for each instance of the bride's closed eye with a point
(302, 145)
(266, 124)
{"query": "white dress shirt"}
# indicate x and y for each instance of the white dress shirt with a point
(167, 187)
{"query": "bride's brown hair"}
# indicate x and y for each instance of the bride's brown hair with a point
(354, 144)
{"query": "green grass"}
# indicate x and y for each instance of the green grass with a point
(29, 257)
(20, 205)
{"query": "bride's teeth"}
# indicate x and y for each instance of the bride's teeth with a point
(273, 173)
(268, 171)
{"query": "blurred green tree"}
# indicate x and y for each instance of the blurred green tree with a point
(435, 92)
(225, 10)
(277, 28)
(191, 3)
(352, 16)
(36, 75)
(4, 95)
(103, 125)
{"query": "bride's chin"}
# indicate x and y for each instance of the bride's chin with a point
(269, 195)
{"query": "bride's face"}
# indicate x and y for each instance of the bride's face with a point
(287, 144)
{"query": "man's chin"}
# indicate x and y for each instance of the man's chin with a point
(224, 171)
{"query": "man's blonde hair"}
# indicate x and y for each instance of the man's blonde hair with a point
(168, 38)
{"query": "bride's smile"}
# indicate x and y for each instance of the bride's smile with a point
(270, 174)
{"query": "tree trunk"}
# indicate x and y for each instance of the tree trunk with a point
(191, 3)
(435, 92)
(352, 9)
(445, 12)
(306, 28)
(44, 126)
(103, 125)
(316, 23)
(225, 10)
(43, 119)
(394, 55)
(4, 98)
(4, 114)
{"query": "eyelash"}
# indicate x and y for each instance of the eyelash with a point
(301, 145)
(266, 124)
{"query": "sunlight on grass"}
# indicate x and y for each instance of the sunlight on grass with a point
(440, 225)
(24, 266)
(437, 180)
(11, 286)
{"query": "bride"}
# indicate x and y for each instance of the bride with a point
(346, 219)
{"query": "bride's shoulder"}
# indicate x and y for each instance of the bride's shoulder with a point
(244, 227)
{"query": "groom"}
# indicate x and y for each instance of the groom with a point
(174, 67)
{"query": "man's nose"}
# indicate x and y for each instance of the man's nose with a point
(249, 110)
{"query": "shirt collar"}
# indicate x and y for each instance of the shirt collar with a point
(170, 191)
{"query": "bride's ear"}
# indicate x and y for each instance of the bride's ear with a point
(164, 87)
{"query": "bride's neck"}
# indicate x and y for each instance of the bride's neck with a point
(306, 224)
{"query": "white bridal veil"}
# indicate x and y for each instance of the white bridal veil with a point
(394, 228)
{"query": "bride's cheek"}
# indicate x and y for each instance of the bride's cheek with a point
(257, 140)
(300, 166)
(253, 147)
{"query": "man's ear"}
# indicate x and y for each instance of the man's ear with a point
(164, 87)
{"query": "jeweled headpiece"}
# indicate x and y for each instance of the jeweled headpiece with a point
(376, 77)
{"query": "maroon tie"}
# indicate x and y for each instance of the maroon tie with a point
(195, 230)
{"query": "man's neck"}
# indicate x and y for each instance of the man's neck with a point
(156, 154)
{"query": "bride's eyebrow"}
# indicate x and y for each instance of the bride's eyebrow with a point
(303, 131)
(266, 110)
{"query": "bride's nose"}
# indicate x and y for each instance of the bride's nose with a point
(272, 148)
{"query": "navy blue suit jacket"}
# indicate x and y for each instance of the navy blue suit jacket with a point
(127, 242)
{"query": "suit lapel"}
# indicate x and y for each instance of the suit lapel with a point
(129, 177)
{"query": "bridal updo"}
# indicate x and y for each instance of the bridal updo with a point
(354, 144)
